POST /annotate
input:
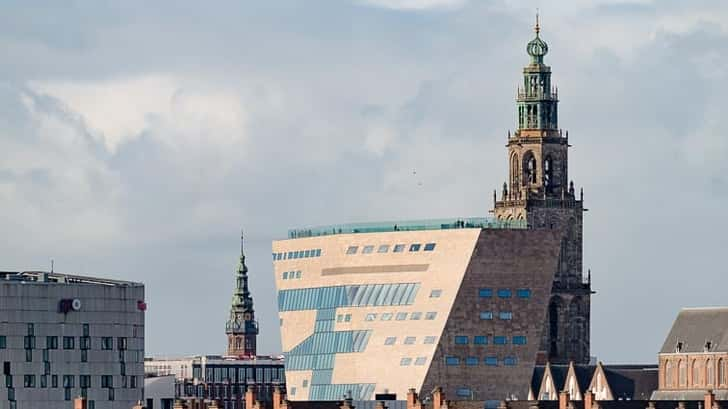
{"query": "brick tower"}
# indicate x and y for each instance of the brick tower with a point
(538, 191)
(241, 328)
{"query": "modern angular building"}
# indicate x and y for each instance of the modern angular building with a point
(64, 336)
(467, 304)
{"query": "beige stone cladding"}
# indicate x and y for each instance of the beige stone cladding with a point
(510, 260)
(394, 367)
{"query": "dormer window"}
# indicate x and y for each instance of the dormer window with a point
(678, 346)
(707, 346)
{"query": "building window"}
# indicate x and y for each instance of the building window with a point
(29, 342)
(107, 343)
(431, 315)
(485, 292)
(471, 361)
(54, 381)
(29, 381)
(85, 343)
(505, 315)
(504, 293)
(510, 361)
(682, 373)
(410, 340)
(401, 316)
(68, 381)
(519, 340)
(405, 362)
(435, 293)
(390, 340)
(500, 340)
(464, 392)
(480, 340)
(721, 372)
(84, 381)
(415, 316)
(430, 340)
(44, 381)
(293, 391)
(31, 329)
(28, 355)
(339, 318)
(67, 394)
(383, 248)
(367, 250)
(85, 330)
(121, 343)
(68, 343)
(461, 339)
(347, 318)
(668, 374)
(370, 317)
(387, 316)
(3, 342)
(398, 248)
(452, 360)
(107, 381)
(51, 342)
(298, 274)
(352, 250)
(305, 383)
(696, 373)
(421, 360)
(486, 315)
(523, 293)
(285, 275)
(429, 246)
(491, 361)
(415, 247)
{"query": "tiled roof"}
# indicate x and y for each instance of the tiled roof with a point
(693, 327)
(631, 381)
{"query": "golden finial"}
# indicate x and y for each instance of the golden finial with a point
(538, 27)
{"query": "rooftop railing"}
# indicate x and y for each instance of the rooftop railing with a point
(408, 225)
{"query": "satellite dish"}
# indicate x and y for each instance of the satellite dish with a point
(76, 304)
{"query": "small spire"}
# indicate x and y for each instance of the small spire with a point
(241, 243)
(537, 29)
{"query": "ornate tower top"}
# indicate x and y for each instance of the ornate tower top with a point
(537, 48)
(241, 327)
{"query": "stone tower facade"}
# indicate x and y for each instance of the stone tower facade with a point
(241, 327)
(539, 192)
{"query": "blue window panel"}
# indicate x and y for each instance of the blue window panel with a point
(519, 340)
(523, 293)
(485, 292)
(326, 314)
(290, 254)
(401, 316)
(352, 250)
(429, 246)
(416, 316)
(318, 252)
(410, 340)
(321, 377)
(345, 296)
(492, 404)
(285, 275)
(298, 274)
(435, 293)
(504, 293)
(398, 248)
(510, 361)
(405, 362)
(480, 340)
(505, 315)
(486, 315)
(452, 360)
(431, 315)
(300, 253)
(471, 361)
(359, 391)
(415, 247)
(306, 253)
(333, 342)
(390, 341)
(324, 326)
(430, 340)
(383, 248)
(491, 361)
(500, 340)
(464, 392)
(421, 360)
(387, 316)
(461, 340)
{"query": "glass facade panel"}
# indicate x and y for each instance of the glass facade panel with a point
(431, 315)
(491, 361)
(452, 360)
(430, 340)
(510, 361)
(504, 293)
(523, 293)
(352, 250)
(367, 250)
(486, 315)
(383, 248)
(421, 360)
(346, 296)
(360, 391)
(410, 340)
(435, 293)
(416, 316)
(480, 340)
(398, 248)
(405, 362)
(390, 340)
(505, 315)
(429, 246)
(485, 292)
(415, 247)
(519, 340)
(500, 340)
(461, 340)
(401, 316)
(387, 316)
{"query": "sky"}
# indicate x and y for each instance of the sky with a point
(137, 138)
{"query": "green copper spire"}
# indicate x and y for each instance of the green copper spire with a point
(537, 48)
(537, 99)
(241, 326)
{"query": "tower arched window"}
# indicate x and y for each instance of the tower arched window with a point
(710, 372)
(514, 172)
(530, 168)
(721, 372)
(696, 373)
(682, 373)
(669, 378)
(548, 171)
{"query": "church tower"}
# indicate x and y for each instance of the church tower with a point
(539, 192)
(241, 328)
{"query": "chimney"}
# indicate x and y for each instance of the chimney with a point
(213, 405)
(258, 405)
(179, 404)
(709, 399)
(380, 405)
(588, 399)
(250, 397)
(79, 403)
(286, 404)
(437, 398)
(139, 405)
(563, 400)
(277, 397)
(347, 403)
(412, 399)
(503, 405)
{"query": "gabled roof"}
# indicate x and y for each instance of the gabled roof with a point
(694, 326)
(632, 382)
(536, 379)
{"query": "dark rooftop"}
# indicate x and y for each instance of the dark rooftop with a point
(698, 330)
(58, 278)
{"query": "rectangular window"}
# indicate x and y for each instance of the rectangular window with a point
(430, 340)
(461, 340)
(51, 342)
(486, 315)
(480, 340)
(107, 381)
(471, 361)
(31, 329)
(421, 360)
(401, 316)
(121, 343)
(107, 343)
(415, 247)
(464, 392)
(29, 381)
(415, 316)
(3, 342)
(505, 315)
(435, 293)
(306, 253)
(84, 381)
(318, 252)
(8, 380)
(519, 340)
(68, 343)
(491, 361)
(84, 355)
(347, 318)
(485, 292)
(305, 383)
(398, 248)
(510, 361)
(54, 381)
(500, 340)
(390, 340)
(290, 254)
(85, 330)
(383, 248)
(410, 340)
(28, 355)
(523, 293)
(371, 317)
(68, 381)
(504, 293)
(405, 362)
(352, 250)
(367, 250)
(293, 391)
(298, 274)
(44, 381)
(430, 315)
(85, 343)
(29, 342)
(285, 275)
(452, 360)
(339, 318)
(387, 316)
(429, 246)
(133, 382)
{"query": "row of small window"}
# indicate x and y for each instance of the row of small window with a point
(474, 361)
(484, 339)
(107, 381)
(410, 340)
(419, 361)
(291, 275)
(397, 248)
(85, 327)
(401, 316)
(107, 343)
(296, 254)
(504, 293)
(488, 315)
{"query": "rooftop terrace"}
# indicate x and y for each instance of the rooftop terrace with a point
(408, 225)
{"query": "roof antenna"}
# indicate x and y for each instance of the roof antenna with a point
(52, 265)
(538, 26)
